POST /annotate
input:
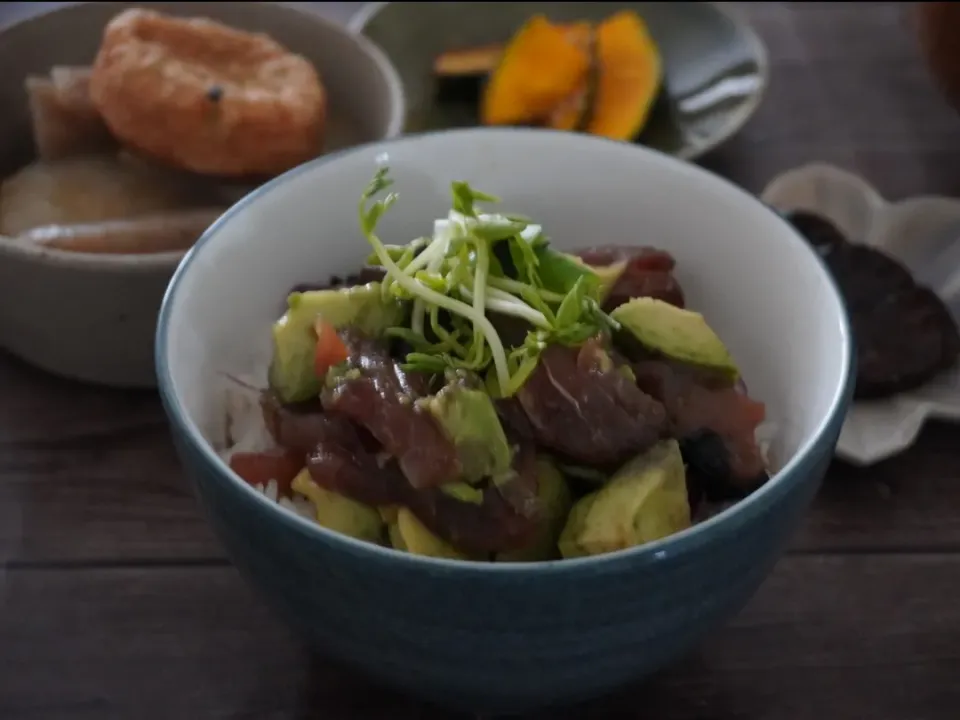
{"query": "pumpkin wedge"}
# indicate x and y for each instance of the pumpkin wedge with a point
(574, 110)
(482, 60)
(478, 61)
(541, 67)
(460, 74)
(629, 76)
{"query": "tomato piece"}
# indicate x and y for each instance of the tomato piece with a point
(753, 412)
(330, 348)
(259, 468)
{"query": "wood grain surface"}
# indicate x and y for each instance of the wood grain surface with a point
(116, 601)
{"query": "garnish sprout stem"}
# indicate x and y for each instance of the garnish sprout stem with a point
(418, 289)
(458, 271)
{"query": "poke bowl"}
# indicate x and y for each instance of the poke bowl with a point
(123, 139)
(503, 455)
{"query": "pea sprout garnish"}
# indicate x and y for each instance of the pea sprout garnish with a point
(476, 264)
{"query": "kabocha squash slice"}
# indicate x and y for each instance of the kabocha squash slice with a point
(629, 77)
(460, 74)
(604, 80)
(574, 110)
(571, 112)
(469, 62)
(478, 62)
(541, 67)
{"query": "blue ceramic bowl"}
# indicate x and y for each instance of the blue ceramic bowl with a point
(511, 637)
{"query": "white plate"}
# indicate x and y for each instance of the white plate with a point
(924, 234)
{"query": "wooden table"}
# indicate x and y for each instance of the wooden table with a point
(116, 601)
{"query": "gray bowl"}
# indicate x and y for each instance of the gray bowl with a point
(716, 68)
(92, 317)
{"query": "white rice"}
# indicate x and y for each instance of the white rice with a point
(766, 434)
(244, 427)
(298, 505)
(246, 431)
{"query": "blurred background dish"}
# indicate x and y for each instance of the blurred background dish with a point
(679, 77)
(105, 182)
(937, 25)
(919, 235)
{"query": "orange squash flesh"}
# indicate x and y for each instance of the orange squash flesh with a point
(629, 76)
(543, 65)
(574, 110)
(569, 114)
(483, 60)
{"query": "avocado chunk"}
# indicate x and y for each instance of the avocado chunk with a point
(388, 513)
(292, 375)
(339, 513)
(607, 275)
(411, 535)
(555, 499)
(560, 271)
(396, 539)
(463, 492)
(679, 334)
(469, 418)
(644, 501)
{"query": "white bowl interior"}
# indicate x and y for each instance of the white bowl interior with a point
(753, 278)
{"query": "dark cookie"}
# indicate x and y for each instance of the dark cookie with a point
(905, 334)
(819, 232)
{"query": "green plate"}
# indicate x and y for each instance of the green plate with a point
(716, 66)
